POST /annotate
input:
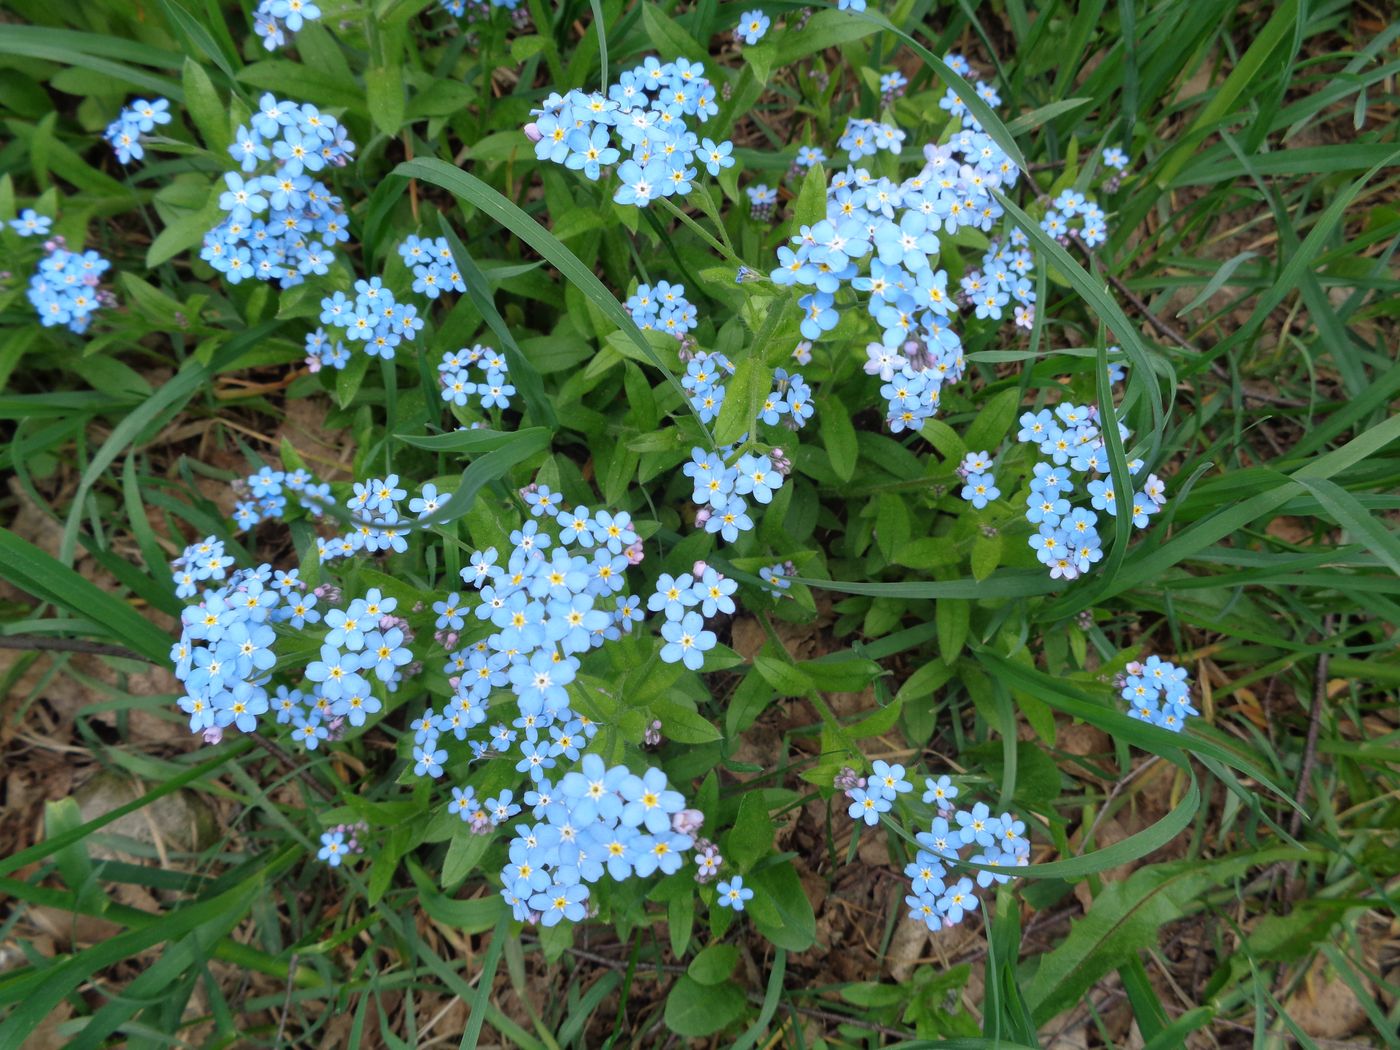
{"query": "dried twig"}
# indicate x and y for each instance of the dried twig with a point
(1180, 340)
(1314, 725)
(287, 1000)
(289, 765)
(42, 642)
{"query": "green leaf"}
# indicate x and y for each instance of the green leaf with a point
(1364, 527)
(952, 617)
(993, 423)
(205, 108)
(384, 86)
(878, 722)
(824, 29)
(839, 438)
(986, 555)
(811, 199)
(680, 921)
(185, 232)
(526, 47)
(780, 908)
(668, 37)
(682, 724)
(464, 853)
(474, 441)
(714, 964)
(761, 59)
(782, 676)
(743, 398)
(349, 379)
(752, 834)
(693, 1009)
(926, 681)
(94, 51)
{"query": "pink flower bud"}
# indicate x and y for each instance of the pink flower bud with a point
(532, 132)
(687, 821)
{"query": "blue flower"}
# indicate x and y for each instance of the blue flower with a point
(958, 900)
(716, 592)
(686, 641)
(718, 156)
(31, 224)
(980, 490)
(333, 849)
(590, 151)
(649, 801)
(734, 894)
(940, 791)
(752, 25)
(888, 780)
(673, 595)
(558, 903)
(867, 805)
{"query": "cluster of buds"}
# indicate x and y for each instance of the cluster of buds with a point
(847, 780)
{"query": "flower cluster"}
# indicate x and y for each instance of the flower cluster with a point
(266, 499)
(225, 655)
(324, 352)
(547, 606)
(283, 225)
(719, 486)
(1158, 692)
(340, 842)
(662, 309)
(31, 224)
(373, 319)
(475, 9)
(598, 820)
(883, 238)
(763, 200)
(200, 561)
(433, 265)
(377, 525)
(1067, 208)
(63, 290)
(979, 487)
(141, 117)
(647, 110)
(225, 651)
(864, 138)
(684, 600)
(936, 898)
(1067, 539)
(275, 18)
(457, 385)
(892, 87)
